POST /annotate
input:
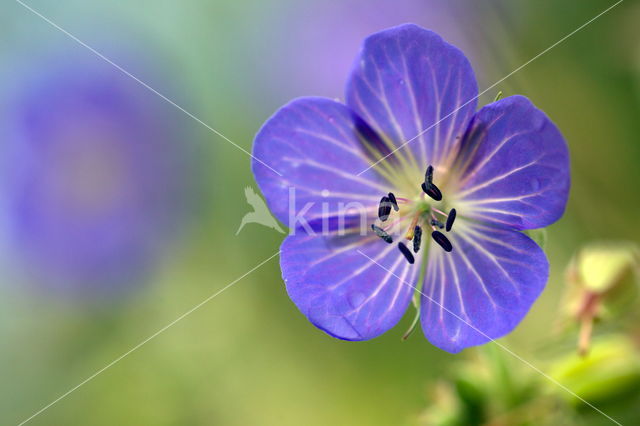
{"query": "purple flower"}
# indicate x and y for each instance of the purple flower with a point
(93, 176)
(502, 169)
(317, 59)
(312, 49)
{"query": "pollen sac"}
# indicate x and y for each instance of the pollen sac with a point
(450, 219)
(394, 202)
(417, 238)
(432, 191)
(382, 234)
(406, 252)
(443, 241)
(437, 223)
(384, 209)
(428, 175)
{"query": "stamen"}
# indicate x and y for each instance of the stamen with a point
(412, 227)
(384, 209)
(428, 176)
(406, 252)
(443, 241)
(417, 238)
(433, 209)
(432, 191)
(382, 234)
(394, 203)
(390, 226)
(437, 223)
(450, 219)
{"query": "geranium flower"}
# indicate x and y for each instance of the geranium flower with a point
(468, 181)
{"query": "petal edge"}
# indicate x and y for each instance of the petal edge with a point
(338, 287)
(513, 169)
(408, 79)
(482, 289)
(313, 144)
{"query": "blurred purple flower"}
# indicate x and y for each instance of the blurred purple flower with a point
(495, 172)
(94, 176)
(315, 51)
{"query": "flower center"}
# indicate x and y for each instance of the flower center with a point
(411, 216)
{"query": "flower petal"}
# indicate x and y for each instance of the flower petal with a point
(513, 167)
(353, 288)
(407, 81)
(313, 143)
(483, 288)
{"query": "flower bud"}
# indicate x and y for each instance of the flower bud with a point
(601, 266)
(602, 284)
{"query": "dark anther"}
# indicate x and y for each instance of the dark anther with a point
(406, 252)
(437, 223)
(428, 176)
(394, 203)
(444, 242)
(432, 191)
(384, 209)
(450, 219)
(382, 234)
(417, 238)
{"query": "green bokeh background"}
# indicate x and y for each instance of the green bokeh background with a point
(248, 356)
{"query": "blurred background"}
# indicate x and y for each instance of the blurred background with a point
(118, 213)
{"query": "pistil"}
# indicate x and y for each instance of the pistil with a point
(421, 208)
